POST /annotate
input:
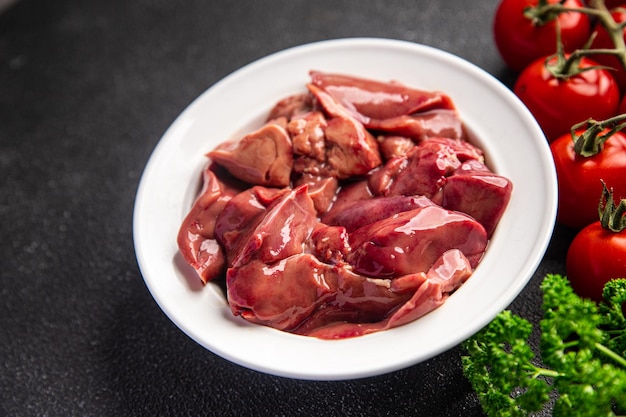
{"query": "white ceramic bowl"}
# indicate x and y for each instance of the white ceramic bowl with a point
(514, 145)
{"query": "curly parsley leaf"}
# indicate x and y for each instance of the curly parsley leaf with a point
(613, 314)
(582, 349)
(499, 367)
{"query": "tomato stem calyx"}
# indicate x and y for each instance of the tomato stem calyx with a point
(543, 12)
(612, 216)
(563, 66)
(591, 140)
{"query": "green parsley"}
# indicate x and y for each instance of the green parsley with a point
(582, 368)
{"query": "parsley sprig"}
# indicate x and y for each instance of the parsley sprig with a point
(582, 368)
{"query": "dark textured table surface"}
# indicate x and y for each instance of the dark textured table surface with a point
(87, 88)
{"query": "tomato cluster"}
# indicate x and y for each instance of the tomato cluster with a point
(569, 77)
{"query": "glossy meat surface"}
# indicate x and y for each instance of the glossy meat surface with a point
(263, 157)
(357, 207)
(196, 237)
(413, 240)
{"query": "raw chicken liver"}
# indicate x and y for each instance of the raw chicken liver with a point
(357, 207)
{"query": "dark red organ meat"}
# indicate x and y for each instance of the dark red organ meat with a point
(359, 206)
(374, 100)
(263, 157)
(475, 190)
(282, 230)
(413, 240)
(339, 147)
(239, 214)
(427, 291)
(387, 106)
(358, 213)
(303, 295)
(196, 237)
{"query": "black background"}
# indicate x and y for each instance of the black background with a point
(87, 88)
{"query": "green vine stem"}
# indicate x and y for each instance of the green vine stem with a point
(614, 29)
(545, 12)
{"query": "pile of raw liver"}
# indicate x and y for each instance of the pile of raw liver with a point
(358, 206)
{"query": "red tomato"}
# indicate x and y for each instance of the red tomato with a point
(611, 4)
(595, 256)
(557, 104)
(602, 41)
(579, 178)
(622, 106)
(520, 41)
